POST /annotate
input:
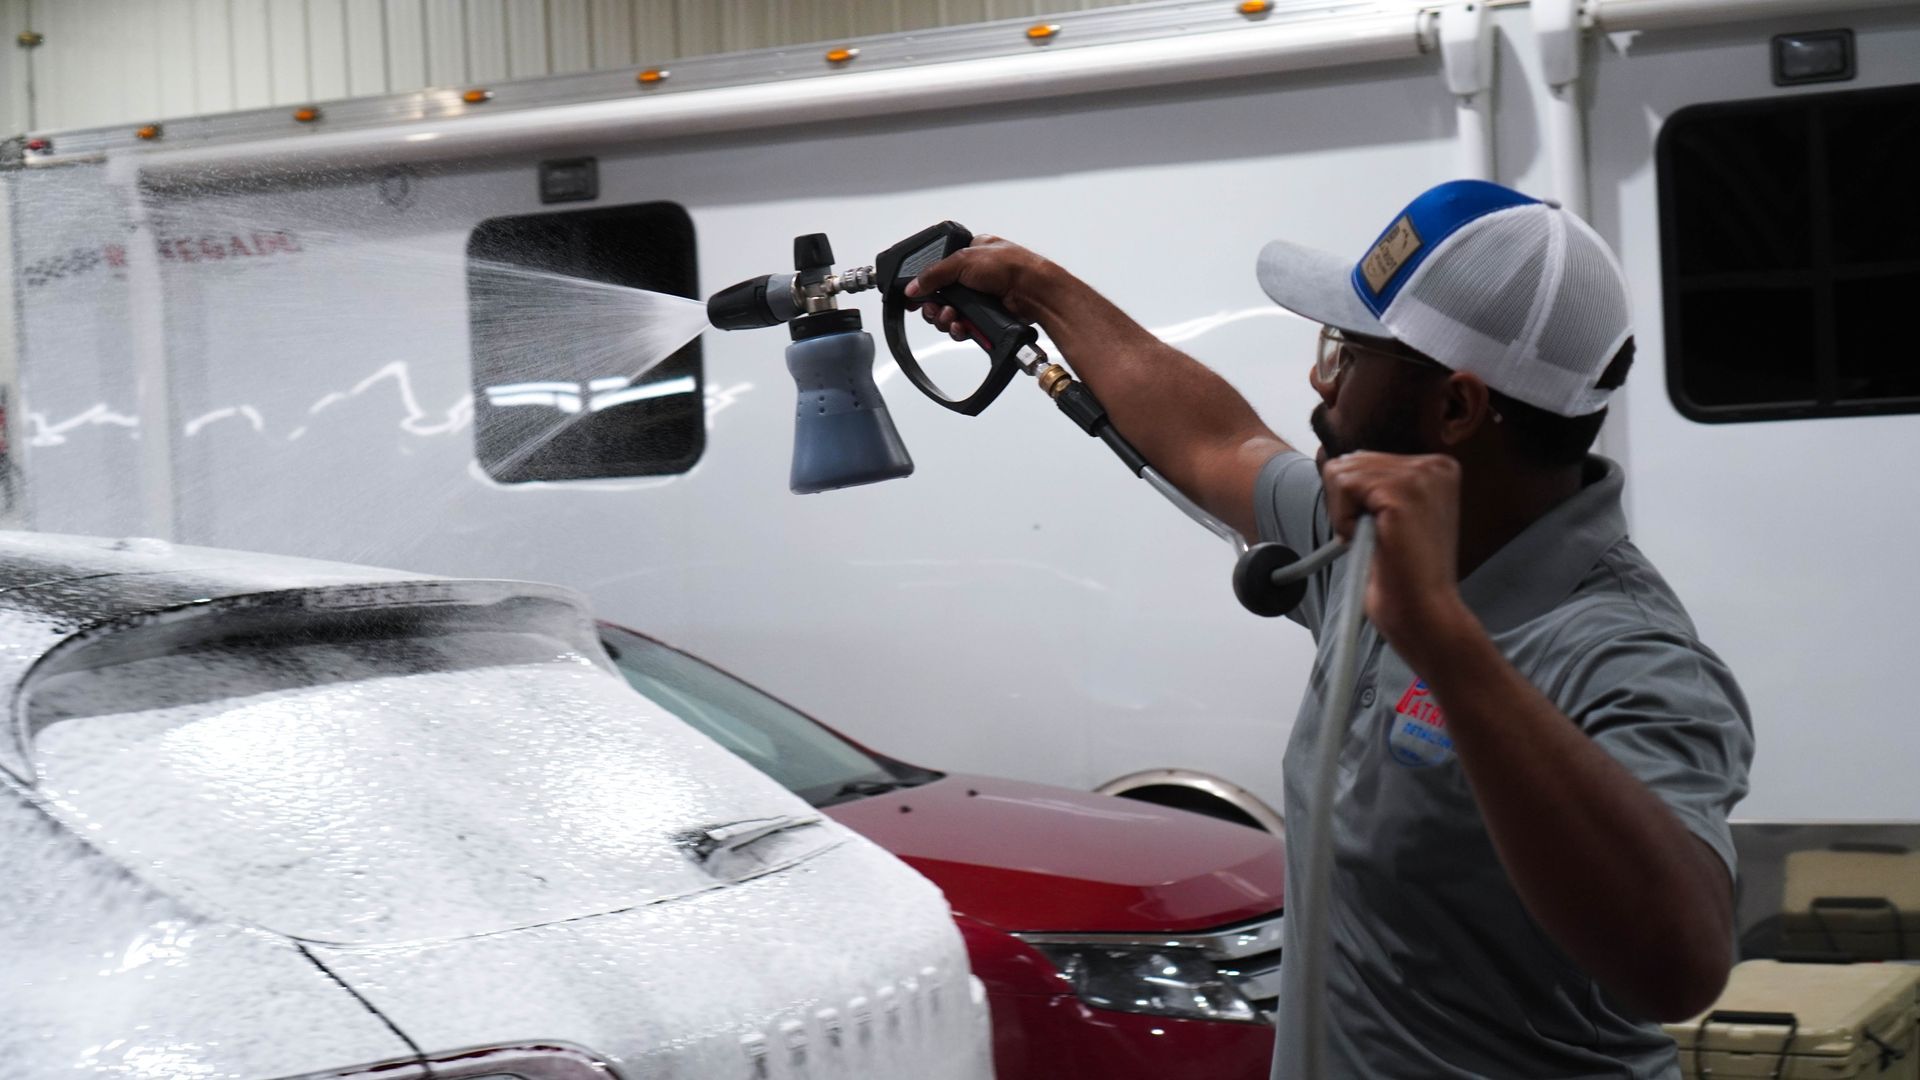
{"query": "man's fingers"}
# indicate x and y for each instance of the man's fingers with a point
(940, 274)
(1376, 483)
(1357, 482)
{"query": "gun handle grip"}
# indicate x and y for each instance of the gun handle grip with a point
(995, 328)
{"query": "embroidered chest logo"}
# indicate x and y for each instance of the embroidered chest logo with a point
(1418, 735)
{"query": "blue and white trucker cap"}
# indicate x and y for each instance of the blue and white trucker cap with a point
(1483, 279)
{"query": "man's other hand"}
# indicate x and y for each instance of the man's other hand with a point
(1414, 594)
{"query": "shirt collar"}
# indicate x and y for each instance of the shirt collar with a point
(1537, 569)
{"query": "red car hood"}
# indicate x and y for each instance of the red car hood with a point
(1031, 857)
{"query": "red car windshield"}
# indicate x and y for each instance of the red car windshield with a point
(804, 757)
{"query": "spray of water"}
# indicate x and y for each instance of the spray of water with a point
(285, 333)
(545, 327)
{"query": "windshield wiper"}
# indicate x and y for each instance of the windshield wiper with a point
(705, 843)
(862, 788)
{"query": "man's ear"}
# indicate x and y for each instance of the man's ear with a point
(1465, 409)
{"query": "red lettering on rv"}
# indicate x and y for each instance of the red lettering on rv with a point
(213, 247)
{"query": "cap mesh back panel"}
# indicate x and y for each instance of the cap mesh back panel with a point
(1528, 299)
(1587, 321)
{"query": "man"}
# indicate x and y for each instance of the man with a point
(1532, 859)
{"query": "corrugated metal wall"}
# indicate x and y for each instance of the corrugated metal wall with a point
(14, 89)
(128, 61)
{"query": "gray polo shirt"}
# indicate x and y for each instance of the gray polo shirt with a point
(1436, 968)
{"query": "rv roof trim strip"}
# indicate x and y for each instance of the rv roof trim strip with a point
(1617, 15)
(1153, 44)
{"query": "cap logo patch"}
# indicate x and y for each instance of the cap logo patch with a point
(1390, 254)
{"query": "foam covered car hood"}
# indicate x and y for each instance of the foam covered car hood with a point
(411, 786)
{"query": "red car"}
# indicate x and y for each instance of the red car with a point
(1116, 938)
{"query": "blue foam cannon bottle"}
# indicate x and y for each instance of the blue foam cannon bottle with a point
(843, 434)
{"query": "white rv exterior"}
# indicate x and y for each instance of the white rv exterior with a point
(249, 344)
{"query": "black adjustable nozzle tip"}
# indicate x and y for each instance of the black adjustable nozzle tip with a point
(755, 302)
(741, 307)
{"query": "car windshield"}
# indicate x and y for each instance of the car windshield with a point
(803, 756)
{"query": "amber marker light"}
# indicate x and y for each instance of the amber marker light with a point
(307, 115)
(841, 56)
(1043, 32)
(1255, 7)
(652, 76)
(149, 133)
(477, 96)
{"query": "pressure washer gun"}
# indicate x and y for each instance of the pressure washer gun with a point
(843, 434)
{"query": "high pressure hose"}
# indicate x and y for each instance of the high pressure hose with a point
(1343, 663)
(1271, 585)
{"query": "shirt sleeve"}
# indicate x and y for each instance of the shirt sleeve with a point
(1290, 507)
(1669, 710)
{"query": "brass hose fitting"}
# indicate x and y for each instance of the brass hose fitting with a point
(1054, 379)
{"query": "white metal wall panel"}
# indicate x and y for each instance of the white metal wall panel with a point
(406, 45)
(62, 92)
(653, 31)
(287, 51)
(486, 41)
(15, 83)
(252, 54)
(327, 63)
(366, 48)
(613, 33)
(526, 38)
(138, 30)
(177, 72)
(916, 14)
(696, 28)
(213, 75)
(134, 61)
(957, 12)
(744, 24)
(446, 43)
(569, 36)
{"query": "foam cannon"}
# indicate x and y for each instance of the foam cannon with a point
(843, 434)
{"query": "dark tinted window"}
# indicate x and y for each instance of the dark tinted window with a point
(539, 380)
(1790, 244)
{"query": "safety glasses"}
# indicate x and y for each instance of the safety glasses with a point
(1337, 351)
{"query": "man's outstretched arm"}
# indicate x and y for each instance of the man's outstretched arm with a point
(1189, 423)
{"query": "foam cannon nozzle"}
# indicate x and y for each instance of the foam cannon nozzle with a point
(842, 432)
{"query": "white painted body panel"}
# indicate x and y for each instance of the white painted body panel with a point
(1021, 606)
(1790, 542)
(697, 987)
(106, 977)
(295, 855)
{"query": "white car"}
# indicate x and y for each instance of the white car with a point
(264, 817)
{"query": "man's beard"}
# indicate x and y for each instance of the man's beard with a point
(1393, 429)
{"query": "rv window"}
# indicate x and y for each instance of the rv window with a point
(1790, 247)
(564, 386)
